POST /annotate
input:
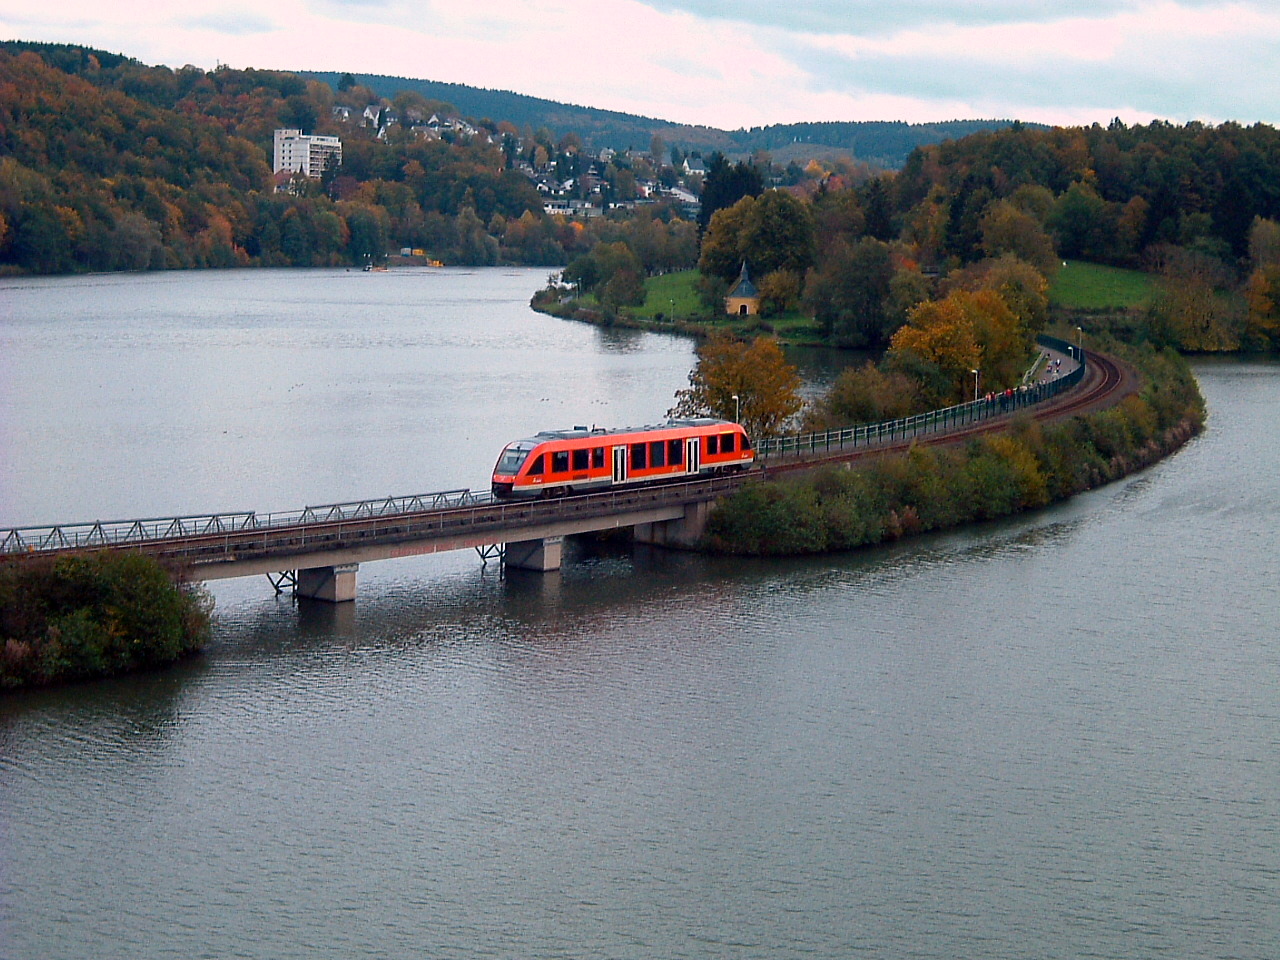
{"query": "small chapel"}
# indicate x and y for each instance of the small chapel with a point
(743, 299)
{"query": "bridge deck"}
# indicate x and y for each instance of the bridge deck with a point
(222, 545)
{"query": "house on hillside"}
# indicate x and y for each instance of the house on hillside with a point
(296, 152)
(743, 299)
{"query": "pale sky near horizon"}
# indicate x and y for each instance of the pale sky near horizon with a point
(739, 63)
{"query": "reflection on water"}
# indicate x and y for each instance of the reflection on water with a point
(1048, 736)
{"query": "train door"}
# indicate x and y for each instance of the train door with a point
(693, 454)
(620, 463)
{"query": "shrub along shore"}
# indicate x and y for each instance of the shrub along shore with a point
(80, 616)
(934, 488)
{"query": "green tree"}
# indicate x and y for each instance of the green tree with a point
(771, 232)
(778, 234)
(368, 229)
(1080, 221)
(849, 293)
(865, 394)
(92, 615)
(725, 185)
(624, 288)
(1006, 229)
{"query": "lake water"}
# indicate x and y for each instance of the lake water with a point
(1050, 737)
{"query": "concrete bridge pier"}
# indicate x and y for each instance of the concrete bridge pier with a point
(682, 533)
(543, 554)
(335, 584)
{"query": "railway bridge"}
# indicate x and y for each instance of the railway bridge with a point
(317, 551)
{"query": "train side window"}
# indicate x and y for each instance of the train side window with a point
(536, 469)
(713, 444)
(581, 459)
(726, 443)
(658, 454)
(597, 458)
(638, 459)
(675, 452)
(560, 461)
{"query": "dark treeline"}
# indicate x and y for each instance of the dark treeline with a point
(886, 143)
(1117, 190)
(1197, 206)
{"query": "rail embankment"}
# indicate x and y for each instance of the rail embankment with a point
(1029, 464)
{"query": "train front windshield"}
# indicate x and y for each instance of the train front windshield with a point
(512, 459)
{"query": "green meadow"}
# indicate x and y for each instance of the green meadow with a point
(1092, 286)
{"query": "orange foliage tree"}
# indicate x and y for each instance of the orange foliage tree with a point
(767, 387)
(963, 332)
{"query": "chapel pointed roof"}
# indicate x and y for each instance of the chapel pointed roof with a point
(743, 287)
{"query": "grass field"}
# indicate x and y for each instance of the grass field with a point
(675, 295)
(672, 295)
(1091, 286)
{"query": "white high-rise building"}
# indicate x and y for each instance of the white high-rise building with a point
(309, 155)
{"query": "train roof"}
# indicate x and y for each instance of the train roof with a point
(578, 433)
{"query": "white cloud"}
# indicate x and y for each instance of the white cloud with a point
(740, 63)
(231, 22)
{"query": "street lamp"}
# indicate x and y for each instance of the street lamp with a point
(1080, 343)
(975, 385)
(737, 408)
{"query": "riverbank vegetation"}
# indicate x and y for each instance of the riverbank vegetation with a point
(1153, 233)
(89, 615)
(934, 488)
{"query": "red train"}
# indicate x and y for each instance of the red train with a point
(581, 460)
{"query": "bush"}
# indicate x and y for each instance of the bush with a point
(1028, 466)
(91, 615)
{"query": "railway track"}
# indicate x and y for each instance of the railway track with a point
(1106, 382)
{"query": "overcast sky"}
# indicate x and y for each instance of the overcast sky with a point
(738, 63)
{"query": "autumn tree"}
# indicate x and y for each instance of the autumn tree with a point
(767, 387)
(1194, 310)
(961, 333)
(1024, 288)
(1006, 229)
(771, 232)
(939, 334)
(722, 254)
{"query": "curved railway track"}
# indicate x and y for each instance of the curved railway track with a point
(1107, 381)
(480, 519)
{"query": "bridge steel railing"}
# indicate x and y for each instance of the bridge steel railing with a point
(121, 533)
(224, 538)
(935, 421)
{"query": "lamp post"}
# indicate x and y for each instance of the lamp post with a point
(737, 408)
(975, 385)
(1080, 344)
